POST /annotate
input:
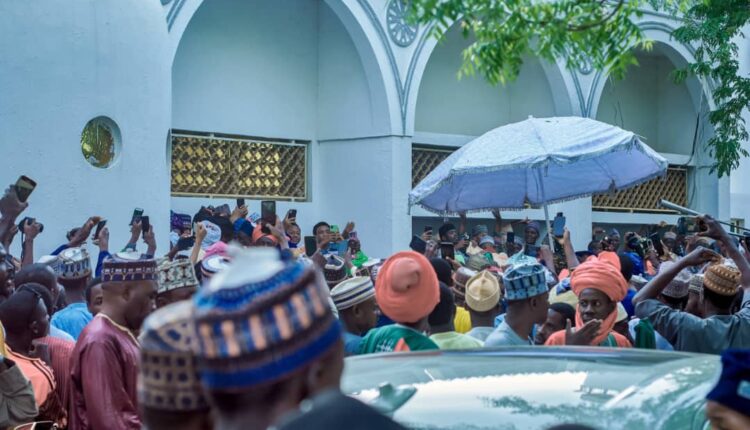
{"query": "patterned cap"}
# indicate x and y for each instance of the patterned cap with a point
(122, 268)
(260, 320)
(352, 292)
(696, 284)
(176, 274)
(168, 375)
(212, 265)
(334, 270)
(523, 282)
(75, 263)
(722, 279)
(53, 261)
(678, 287)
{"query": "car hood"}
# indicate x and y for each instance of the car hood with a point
(537, 387)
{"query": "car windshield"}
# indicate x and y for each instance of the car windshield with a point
(529, 389)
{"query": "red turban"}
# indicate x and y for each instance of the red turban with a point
(407, 287)
(606, 278)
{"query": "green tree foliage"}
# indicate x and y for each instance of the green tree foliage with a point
(604, 35)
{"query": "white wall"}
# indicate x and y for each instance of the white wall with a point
(248, 67)
(345, 108)
(650, 104)
(64, 63)
(471, 106)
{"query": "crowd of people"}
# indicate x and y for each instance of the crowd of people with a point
(243, 319)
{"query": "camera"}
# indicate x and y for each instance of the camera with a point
(30, 221)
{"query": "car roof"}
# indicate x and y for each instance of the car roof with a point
(537, 387)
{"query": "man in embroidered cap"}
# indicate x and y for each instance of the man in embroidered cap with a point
(104, 373)
(442, 329)
(406, 291)
(599, 286)
(266, 339)
(728, 406)
(355, 301)
(177, 282)
(527, 299)
(723, 285)
(169, 388)
(483, 297)
(75, 273)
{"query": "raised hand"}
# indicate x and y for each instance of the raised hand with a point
(701, 255)
(582, 336)
(10, 205)
(710, 228)
(31, 229)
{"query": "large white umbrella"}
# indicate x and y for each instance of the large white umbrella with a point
(537, 161)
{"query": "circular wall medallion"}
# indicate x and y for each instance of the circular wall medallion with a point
(402, 33)
(100, 142)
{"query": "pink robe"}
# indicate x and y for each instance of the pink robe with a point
(104, 372)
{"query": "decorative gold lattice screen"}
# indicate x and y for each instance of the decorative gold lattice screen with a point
(209, 165)
(645, 197)
(424, 159)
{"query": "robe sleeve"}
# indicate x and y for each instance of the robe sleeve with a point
(17, 403)
(108, 405)
(556, 338)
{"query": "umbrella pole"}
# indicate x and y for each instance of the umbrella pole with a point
(546, 212)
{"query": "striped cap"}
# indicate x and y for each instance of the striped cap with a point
(213, 265)
(168, 375)
(352, 292)
(260, 320)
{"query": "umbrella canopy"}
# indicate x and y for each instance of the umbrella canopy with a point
(537, 161)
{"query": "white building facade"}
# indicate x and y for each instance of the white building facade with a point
(346, 80)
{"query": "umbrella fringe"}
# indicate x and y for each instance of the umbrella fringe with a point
(514, 209)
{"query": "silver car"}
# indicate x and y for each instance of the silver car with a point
(536, 387)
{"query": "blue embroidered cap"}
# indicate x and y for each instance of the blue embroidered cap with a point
(733, 388)
(260, 320)
(524, 281)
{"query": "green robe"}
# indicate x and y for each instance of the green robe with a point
(395, 338)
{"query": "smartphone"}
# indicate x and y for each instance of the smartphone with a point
(99, 228)
(559, 225)
(240, 202)
(268, 211)
(687, 225)
(292, 214)
(137, 214)
(510, 237)
(656, 242)
(310, 245)
(184, 243)
(24, 186)
(418, 245)
(353, 235)
(334, 228)
(447, 250)
(145, 224)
